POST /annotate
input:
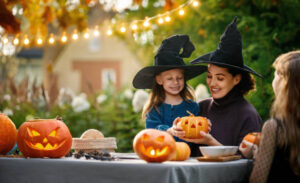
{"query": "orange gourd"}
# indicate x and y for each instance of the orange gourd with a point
(183, 151)
(44, 138)
(8, 134)
(253, 137)
(154, 145)
(192, 125)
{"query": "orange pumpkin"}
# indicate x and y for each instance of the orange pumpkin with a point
(253, 137)
(154, 145)
(183, 151)
(192, 125)
(8, 134)
(44, 138)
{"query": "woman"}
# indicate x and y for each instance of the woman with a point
(229, 80)
(278, 157)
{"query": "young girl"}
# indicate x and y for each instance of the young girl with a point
(278, 157)
(170, 96)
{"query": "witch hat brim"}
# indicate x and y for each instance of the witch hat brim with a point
(206, 59)
(145, 78)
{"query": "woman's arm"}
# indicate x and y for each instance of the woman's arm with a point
(265, 154)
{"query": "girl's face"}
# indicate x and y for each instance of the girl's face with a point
(171, 80)
(220, 81)
(276, 83)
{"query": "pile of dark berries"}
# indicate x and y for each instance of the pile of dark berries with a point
(103, 156)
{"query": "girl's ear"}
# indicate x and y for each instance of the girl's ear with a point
(237, 79)
(158, 79)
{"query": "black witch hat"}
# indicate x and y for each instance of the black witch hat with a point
(169, 57)
(229, 51)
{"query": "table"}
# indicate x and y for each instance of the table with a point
(71, 170)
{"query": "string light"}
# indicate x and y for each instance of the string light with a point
(159, 19)
(51, 39)
(64, 38)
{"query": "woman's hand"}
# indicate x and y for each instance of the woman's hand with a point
(176, 130)
(206, 139)
(248, 149)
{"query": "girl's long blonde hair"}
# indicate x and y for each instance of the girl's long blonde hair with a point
(157, 97)
(286, 106)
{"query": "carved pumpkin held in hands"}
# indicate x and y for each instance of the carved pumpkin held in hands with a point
(8, 134)
(154, 145)
(253, 138)
(192, 125)
(44, 138)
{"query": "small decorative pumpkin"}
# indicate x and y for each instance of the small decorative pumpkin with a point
(253, 137)
(154, 145)
(44, 138)
(183, 151)
(192, 125)
(8, 134)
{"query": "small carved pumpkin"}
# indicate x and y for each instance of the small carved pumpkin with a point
(192, 125)
(44, 138)
(8, 134)
(154, 145)
(183, 151)
(253, 137)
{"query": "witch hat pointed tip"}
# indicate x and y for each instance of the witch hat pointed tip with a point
(234, 20)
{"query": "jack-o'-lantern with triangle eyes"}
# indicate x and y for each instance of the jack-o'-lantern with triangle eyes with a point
(154, 145)
(44, 138)
(192, 125)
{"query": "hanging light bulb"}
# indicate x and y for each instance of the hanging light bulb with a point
(96, 32)
(122, 29)
(39, 41)
(181, 12)
(51, 39)
(75, 35)
(5, 40)
(26, 40)
(195, 3)
(167, 18)
(146, 23)
(16, 41)
(86, 35)
(134, 27)
(64, 38)
(160, 20)
(109, 32)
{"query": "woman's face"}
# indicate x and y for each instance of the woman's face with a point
(276, 83)
(171, 80)
(220, 81)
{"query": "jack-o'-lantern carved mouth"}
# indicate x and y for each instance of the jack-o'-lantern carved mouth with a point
(154, 152)
(48, 146)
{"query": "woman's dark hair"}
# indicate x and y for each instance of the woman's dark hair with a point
(247, 82)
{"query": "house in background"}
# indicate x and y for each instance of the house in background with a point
(91, 65)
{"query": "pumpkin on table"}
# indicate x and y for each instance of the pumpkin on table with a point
(192, 125)
(154, 145)
(8, 134)
(183, 152)
(253, 137)
(44, 138)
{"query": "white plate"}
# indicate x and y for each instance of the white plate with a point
(215, 151)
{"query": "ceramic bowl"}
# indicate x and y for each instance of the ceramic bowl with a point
(215, 151)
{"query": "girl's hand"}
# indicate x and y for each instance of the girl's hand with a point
(176, 130)
(248, 149)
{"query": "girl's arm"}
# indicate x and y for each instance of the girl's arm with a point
(265, 154)
(153, 120)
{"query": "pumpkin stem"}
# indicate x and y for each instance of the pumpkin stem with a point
(58, 118)
(191, 114)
